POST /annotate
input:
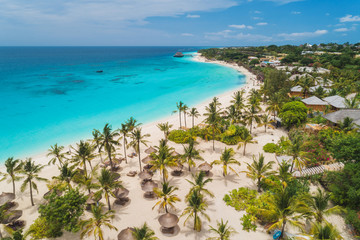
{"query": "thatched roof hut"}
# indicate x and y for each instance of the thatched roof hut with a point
(150, 150)
(126, 234)
(6, 197)
(168, 220)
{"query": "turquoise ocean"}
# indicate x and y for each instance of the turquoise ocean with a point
(54, 95)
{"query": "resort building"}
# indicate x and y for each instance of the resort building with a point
(315, 103)
(339, 116)
(336, 102)
(296, 92)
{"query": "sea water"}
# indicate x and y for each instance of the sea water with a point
(54, 95)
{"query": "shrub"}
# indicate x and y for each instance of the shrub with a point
(352, 218)
(240, 198)
(40, 229)
(233, 134)
(248, 222)
(293, 114)
(179, 136)
(271, 148)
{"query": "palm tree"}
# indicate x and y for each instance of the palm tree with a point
(84, 153)
(191, 154)
(284, 207)
(108, 184)
(179, 107)
(124, 130)
(86, 181)
(258, 170)
(213, 119)
(167, 198)
(352, 102)
(346, 125)
(238, 100)
(67, 174)
(251, 116)
(199, 184)
(216, 102)
(144, 233)
(232, 114)
(222, 230)
(295, 150)
(306, 83)
(31, 172)
(274, 104)
(108, 141)
(196, 205)
(284, 171)
(93, 226)
(266, 122)
(96, 140)
(245, 139)
(184, 109)
(194, 113)
(137, 139)
(165, 128)
(318, 206)
(132, 124)
(13, 168)
(226, 159)
(56, 152)
(163, 159)
(325, 232)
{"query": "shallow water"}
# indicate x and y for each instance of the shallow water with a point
(54, 94)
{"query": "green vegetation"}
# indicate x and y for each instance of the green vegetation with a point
(293, 114)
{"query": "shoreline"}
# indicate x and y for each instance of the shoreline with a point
(41, 156)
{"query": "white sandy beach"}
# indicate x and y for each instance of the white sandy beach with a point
(139, 210)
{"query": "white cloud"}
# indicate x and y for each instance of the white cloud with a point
(294, 36)
(295, 12)
(228, 34)
(350, 18)
(257, 12)
(187, 34)
(341, 30)
(257, 18)
(192, 16)
(283, 1)
(262, 24)
(241, 26)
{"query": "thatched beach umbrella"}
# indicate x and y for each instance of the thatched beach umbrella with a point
(206, 167)
(121, 192)
(12, 216)
(149, 186)
(6, 197)
(92, 198)
(150, 150)
(177, 169)
(145, 175)
(168, 220)
(147, 159)
(126, 234)
(116, 176)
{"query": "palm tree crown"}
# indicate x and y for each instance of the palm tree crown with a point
(167, 198)
(227, 159)
(13, 168)
(144, 233)
(137, 139)
(57, 154)
(108, 184)
(191, 154)
(163, 159)
(194, 113)
(199, 184)
(108, 141)
(223, 231)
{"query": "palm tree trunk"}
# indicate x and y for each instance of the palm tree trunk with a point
(125, 149)
(90, 165)
(166, 209)
(282, 230)
(31, 195)
(195, 220)
(193, 121)
(259, 185)
(108, 201)
(265, 128)
(292, 166)
(139, 155)
(250, 126)
(213, 139)
(185, 118)
(180, 118)
(1, 236)
(85, 170)
(111, 163)
(13, 183)
(244, 148)
(163, 173)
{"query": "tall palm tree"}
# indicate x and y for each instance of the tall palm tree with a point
(238, 100)
(306, 83)
(213, 119)
(96, 140)
(191, 154)
(179, 107)
(184, 109)
(227, 159)
(144, 233)
(67, 174)
(352, 102)
(232, 114)
(258, 170)
(325, 231)
(108, 141)
(87, 181)
(167, 198)
(165, 128)
(318, 206)
(132, 124)
(295, 150)
(266, 122)
(93, 226)
(13, 168)
(194, 113)
(199, 184)
(284, 207)
(216, 102)
(223, 231)
(124, 130)
(163, 159)
(108, 184)
(58, 155)
(346, 125)
(274, 105)
(137, 140)
(251, 116)
(196, 206)
(84, 153)
(245, 139)
(31, 172)
(284, 171)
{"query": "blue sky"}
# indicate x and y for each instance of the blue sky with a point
(177, 22)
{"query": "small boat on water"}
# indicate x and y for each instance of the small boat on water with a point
(179, 54)
(99, 71)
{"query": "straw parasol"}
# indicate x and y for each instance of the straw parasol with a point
(126, 234)
(168, 220)
(6, 197)
(145, 175)
(206, 167)
(48, 193)
(147, 159)
(149, 186)
(12, 216)
(150, 150)
(121, 192)
(179, 167)
(116, 176)
(91, 198)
